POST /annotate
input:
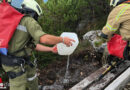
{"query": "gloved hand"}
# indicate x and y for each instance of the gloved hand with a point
(106, 37)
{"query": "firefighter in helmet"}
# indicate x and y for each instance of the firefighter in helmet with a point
(28, 36)
(118, 20)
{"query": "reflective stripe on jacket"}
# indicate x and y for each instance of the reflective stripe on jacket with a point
(118, 19)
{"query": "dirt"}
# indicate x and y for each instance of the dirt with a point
(81, 65)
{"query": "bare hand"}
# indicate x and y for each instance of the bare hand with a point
(54, 49)
(68, 41)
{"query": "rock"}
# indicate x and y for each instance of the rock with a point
(91, 35)
(53, 87)
(93, 38)
(81, 73)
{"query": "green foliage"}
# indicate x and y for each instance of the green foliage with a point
(65, 15)
(61, 15)
(45, 58)
(99, 41)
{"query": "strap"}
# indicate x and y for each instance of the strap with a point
(13, 75)
(28, 62)
(12, 60)
(4, 1)
(15, 61)
(126, 51)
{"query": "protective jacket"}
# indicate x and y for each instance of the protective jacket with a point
(28, 28)
(118, 19)
(21, 72)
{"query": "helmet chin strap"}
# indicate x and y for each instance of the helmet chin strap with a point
(29, 12)
(34, 15)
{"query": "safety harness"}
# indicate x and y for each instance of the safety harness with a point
(12, 60)
(16, 61)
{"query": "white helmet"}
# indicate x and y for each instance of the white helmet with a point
(116, 2)
(27, 4)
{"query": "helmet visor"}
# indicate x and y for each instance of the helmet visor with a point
(17, 3)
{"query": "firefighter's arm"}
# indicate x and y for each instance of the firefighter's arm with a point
(43, 48)
(35, 30)
(111, 26)
(51, 39)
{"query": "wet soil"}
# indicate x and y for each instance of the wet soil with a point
(81, 65)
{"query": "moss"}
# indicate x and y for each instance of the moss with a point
(99, 42)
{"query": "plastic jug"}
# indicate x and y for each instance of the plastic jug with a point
(65, 50)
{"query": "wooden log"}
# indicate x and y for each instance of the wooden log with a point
(88, 80)
(106, 80)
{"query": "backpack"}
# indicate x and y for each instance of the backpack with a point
(9, 18)
(117, 47)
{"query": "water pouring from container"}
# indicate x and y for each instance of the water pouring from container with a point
(65, 50)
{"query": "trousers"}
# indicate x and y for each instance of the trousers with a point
(21, 82)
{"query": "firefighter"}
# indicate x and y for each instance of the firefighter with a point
(118, 20)
(28, 36)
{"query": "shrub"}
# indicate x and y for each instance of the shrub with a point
(65, 15)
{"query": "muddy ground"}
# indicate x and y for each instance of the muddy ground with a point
(81, 65)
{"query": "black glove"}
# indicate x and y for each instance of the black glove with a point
(104, 36)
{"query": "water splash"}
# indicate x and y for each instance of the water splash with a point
(66, 78)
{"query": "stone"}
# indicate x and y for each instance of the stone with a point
(53, 87)
(93, 37)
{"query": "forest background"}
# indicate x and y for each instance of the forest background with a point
(78, 16)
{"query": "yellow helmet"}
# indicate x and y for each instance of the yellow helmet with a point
(116, 2)
(27, 4)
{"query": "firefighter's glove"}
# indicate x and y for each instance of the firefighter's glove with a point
(106, 37)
